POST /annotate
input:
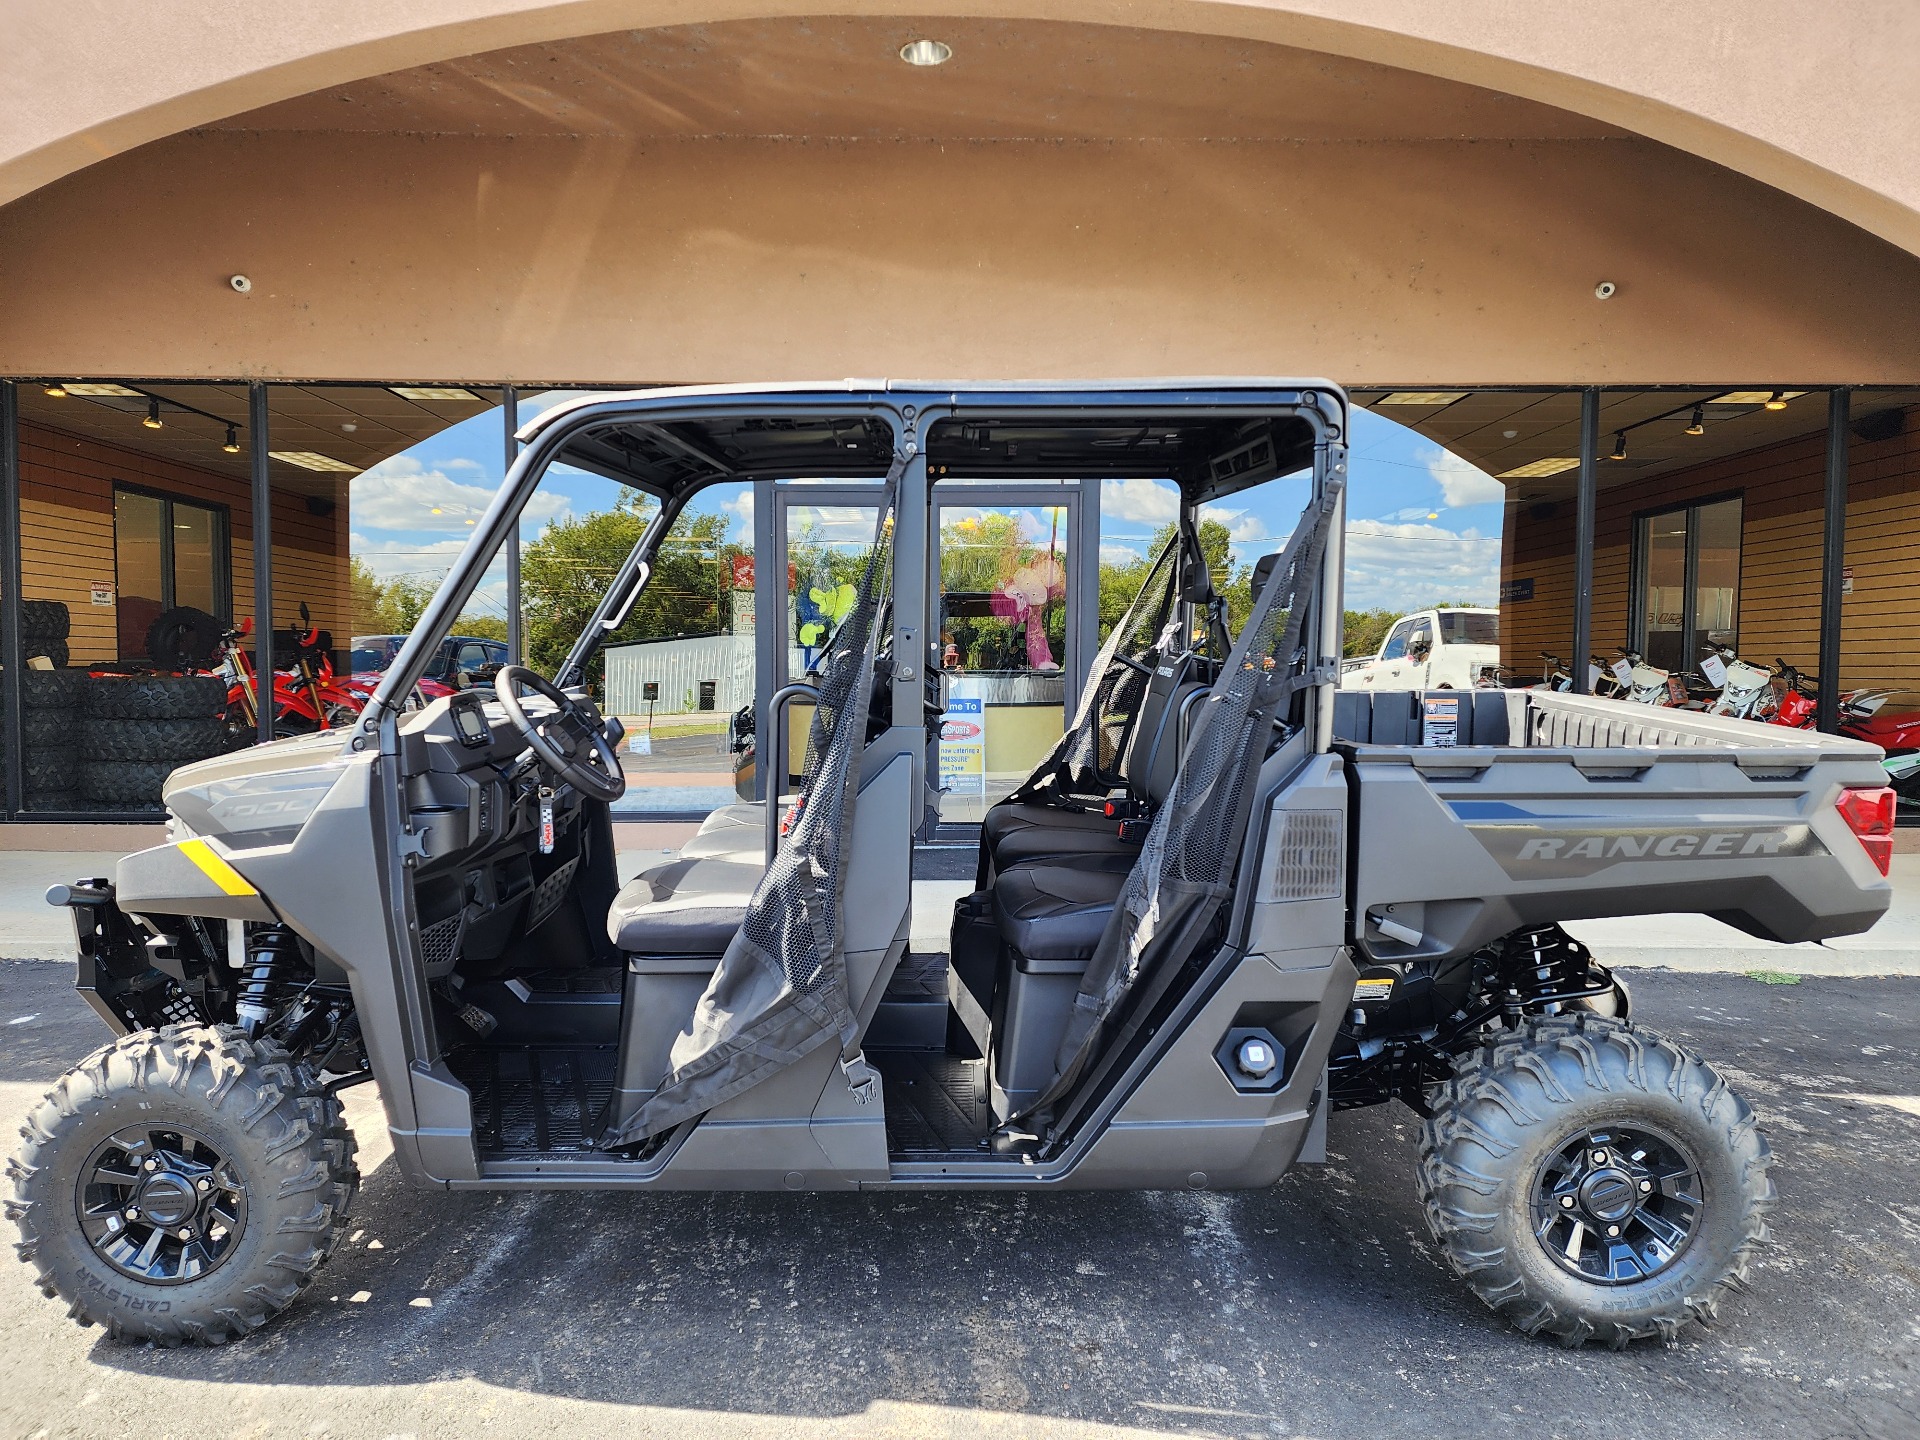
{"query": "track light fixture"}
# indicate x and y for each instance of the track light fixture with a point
(1698, 426)
(1619, 451)
(232, 447)
(153, 421)
(1777, 400)
(56, 391)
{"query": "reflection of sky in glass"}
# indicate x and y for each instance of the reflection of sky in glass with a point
(1422, 524)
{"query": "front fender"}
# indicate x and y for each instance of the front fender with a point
(188, 877)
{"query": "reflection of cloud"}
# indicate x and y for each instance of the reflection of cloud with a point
(1151, 502)
(839, 525)
(1462, 483)
(1403, 566)
(741, 506)
(402, 494)
(416, 559)
(1124, 552)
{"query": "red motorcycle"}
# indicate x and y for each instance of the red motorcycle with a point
(1863, 716)
(307, 696)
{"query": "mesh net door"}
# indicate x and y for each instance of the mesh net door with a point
(780, 990)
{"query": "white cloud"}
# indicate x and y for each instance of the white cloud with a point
(1462, 483)
(402, 494)
(1150, 502)
(1402, 566)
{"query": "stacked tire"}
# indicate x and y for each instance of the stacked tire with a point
(45, 626)
(139, 729)
(50, 735)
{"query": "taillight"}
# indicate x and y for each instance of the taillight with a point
(1869, 814)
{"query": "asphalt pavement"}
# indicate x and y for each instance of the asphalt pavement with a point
(1317, 1307)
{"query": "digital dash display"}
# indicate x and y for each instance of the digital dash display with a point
(471, 725)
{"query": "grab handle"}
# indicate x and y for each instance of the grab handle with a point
(776, 779)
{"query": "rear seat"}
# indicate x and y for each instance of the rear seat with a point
(1014, 833)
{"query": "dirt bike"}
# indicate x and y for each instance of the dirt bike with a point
(1645, 684)
(1746, 691)
(307, 696)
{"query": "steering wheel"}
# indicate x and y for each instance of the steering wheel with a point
(571, 742)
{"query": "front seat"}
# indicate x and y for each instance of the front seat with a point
(688, 905)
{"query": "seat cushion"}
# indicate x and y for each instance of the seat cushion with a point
(1055, 911)
(683, 906)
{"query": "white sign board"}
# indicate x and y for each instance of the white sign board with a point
(963, 746)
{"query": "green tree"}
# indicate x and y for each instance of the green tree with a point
(1120, 581)
(567, 570)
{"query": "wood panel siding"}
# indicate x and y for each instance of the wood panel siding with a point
(67, 541)
(1782, 488)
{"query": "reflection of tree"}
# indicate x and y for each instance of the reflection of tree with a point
(1013, 616)
(394, 607)
(567, 570)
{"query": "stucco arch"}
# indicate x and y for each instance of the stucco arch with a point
(1816, 104)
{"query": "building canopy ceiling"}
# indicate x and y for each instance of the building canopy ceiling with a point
(842, 77)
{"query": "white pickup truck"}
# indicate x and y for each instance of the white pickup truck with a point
(1431, 650)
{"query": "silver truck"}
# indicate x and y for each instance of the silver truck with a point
(1234, 900)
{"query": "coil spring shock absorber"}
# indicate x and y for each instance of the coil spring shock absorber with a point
(271, 955)
(1541, 961)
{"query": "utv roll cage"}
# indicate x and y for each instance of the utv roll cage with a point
(671, 444)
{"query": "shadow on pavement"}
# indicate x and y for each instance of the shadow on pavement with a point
(1317, 1306)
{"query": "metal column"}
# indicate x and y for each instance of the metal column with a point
(510, 410)
(770, 632)
(1833, 556)
(12, 798)
(262, 558)
(1583, 538)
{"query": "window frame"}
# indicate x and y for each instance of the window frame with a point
(1402, 631)
(169, 590)
(1640, 560)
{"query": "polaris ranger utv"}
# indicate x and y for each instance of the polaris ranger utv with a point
(1232, 901)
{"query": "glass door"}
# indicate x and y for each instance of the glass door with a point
(822, 535)
(1008, 621)
(1688, 583)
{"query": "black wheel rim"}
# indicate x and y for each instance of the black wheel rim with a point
(1617, 1204)
(161, 1204)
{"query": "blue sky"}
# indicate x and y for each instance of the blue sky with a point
(1422, 524)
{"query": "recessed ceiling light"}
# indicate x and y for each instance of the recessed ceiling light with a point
(432, 392)
(1510, 434)
(56, 391)
(1421, 397)
(926, 52)
(1533, 469)
(314, 460)
(76, 388)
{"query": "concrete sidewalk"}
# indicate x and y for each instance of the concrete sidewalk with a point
(30, 929)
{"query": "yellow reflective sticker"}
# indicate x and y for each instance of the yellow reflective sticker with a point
(230, 880)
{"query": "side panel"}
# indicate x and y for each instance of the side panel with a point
(1457, 847)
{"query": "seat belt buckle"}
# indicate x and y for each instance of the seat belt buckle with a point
(862, 1078)
(1134, 832)
(1121, 805)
